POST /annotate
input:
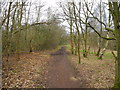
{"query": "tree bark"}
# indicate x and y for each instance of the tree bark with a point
(75, 43)
(100, 39)
(71, 29)
(78, 33)
(20, 15)
(71, 37)
(114, 8)
(7, 31)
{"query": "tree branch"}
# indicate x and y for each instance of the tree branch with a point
(108, 29)
(100, 34)
(48, 23)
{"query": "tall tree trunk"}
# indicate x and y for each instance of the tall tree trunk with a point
(20, 15)
(71, 37)
(75, 44)
(27, 20)
(100, 39)
(71, 30)
(84, 31)
(7, 31)
(79, 58)
(85, 40)
(78, 33)
(114, 8)
(118, 59)
(30, 46)
(117, 28)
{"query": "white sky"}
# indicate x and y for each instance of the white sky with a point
(52, 4)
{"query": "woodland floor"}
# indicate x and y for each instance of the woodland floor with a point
(58, 70)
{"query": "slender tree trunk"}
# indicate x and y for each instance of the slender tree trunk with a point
(85, 40)
(75, 44)
(78, 32)
(104, 49)
(20, 12)
(71, 37)
(30, 45)
(98, 52)
(100, 39)
(71, 30)
(84, 31)
(79, 48)
(27, 19)
(7, 31)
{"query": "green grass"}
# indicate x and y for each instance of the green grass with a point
(82, 51)
(91, 52)
(108, 55)
(67, 46)
(40, 87)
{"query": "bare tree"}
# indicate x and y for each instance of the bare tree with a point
(78, 31)
(114, 10)
(7, 30)
(68, 14)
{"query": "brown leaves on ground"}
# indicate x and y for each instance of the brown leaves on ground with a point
(30, 71)
(27, 72)
(97, 73)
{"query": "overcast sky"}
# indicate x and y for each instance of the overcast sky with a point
(49, 3)
(54, 6)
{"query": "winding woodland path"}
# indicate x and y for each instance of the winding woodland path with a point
(60, 73)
